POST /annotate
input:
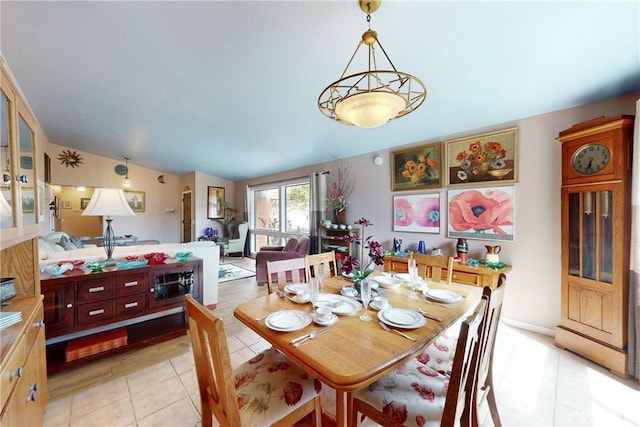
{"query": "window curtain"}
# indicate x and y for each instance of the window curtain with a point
(634, 274)
(317, 207)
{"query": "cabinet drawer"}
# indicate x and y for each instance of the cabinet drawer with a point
(130, 304)
(95, 312)
(466, 278)
(35, 326)
(91, 290)
(12, 372)
(131, 284)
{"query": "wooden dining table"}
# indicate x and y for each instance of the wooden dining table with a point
(354, 353)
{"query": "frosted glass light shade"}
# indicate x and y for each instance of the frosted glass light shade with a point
(108, 202)
(370, 109)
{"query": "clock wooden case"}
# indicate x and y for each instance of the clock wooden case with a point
(596, 225)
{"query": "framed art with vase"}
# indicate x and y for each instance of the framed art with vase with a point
(215, 203)
(481, 213)
(489, 158)
(417, 168)
(417, 213)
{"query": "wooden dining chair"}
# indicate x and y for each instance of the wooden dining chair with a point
(439, 355)
(279, 273)
(431, 266)
(327, 259)
(269, 389)
(414, 394)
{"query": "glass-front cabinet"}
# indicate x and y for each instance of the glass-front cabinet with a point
(19, 194)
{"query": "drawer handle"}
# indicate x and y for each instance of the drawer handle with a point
(131, 304)
(39, 324)
(18, 372)
(97, 289)
(152, 290)
(96, 312)
(69, 305)
(32, 397)
(34, 387)
(129, 284)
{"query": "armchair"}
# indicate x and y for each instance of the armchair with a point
(295, 248)
(232, 245)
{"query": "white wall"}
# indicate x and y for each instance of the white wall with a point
(533, 293)
(202, 181)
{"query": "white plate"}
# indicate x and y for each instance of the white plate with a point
(442, 295)
(338, 304)
(288, 320)
(376, 308)
(402, 318)
(330, 320)
(297, 299)
(389, 282)
(294, 288)
(349, 291)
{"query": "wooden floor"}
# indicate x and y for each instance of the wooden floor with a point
(230, 295)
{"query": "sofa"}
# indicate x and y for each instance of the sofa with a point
(295, 248)
(54, 248)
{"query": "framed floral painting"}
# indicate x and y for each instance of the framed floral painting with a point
(417, 168)
(490, 158)
(482, 213)
(417, 212)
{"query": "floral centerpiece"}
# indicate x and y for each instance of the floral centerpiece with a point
(356, 267)
(480, 159)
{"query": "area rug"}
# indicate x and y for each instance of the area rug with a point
(230, 272)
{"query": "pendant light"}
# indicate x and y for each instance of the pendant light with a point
(126, 183)
(371, 98)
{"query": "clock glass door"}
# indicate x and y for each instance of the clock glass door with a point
(591, 235)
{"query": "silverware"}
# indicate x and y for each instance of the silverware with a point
(311, 336)
(430, 316)
(386, 328)
(305, 336)
(283, 295)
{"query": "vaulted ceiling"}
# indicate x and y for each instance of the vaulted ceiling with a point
(230, 88)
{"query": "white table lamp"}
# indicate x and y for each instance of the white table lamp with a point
(108, 202)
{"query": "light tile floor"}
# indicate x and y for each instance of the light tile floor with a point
(537, 384)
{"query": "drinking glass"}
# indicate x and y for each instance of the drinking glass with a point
(413, 277)
(313, 291)
(365, 295)
(321, 275)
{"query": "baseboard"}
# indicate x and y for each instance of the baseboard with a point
(528, 327)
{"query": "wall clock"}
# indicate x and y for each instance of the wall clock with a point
(596, 205)
(70, 158)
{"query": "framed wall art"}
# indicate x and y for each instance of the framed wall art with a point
(66, 204)
(84, 202)
(215, 203)
(490, 158)
(482, 213)
(28, 199)
(136, 200)
(417, 213)
(417, 168)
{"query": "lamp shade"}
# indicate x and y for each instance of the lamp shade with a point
(108, 202)
(370, 109)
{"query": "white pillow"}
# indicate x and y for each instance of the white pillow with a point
(45, 248)
(55, 236)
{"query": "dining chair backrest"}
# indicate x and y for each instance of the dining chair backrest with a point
(327, 259)
(458, 407)
(279, 273)
(485, 389)
(432, 266)
(218, 395)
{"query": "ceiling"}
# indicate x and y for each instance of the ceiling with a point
(230, 88)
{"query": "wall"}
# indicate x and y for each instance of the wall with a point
(162, 217)
(532, 298)
(202, 181)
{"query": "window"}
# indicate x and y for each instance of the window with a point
(278, 212)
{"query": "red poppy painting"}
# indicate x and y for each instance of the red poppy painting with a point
(482, 213)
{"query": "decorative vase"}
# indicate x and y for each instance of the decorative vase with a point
(462, 247)
(340, 216)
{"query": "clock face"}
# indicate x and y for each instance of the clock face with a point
(590, 159)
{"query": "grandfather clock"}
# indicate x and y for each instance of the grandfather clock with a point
(596, 230)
